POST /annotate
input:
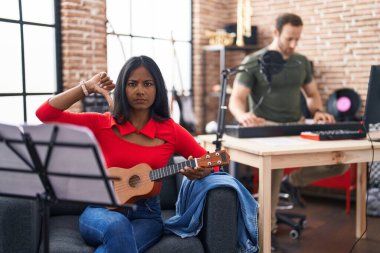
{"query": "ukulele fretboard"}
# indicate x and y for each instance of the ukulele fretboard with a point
(170, 170)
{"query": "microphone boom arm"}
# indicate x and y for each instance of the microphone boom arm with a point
(270, 63)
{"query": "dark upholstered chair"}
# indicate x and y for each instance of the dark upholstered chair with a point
(20, 225)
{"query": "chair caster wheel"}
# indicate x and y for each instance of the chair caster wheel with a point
(304, 224)
(294, 234)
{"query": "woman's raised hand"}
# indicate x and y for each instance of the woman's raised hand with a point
(102, 84)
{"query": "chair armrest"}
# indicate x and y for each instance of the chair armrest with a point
(219, 231)
(18, 225)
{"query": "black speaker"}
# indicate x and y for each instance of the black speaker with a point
(247, 40)
(344, 104)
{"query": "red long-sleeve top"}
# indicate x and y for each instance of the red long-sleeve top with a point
(121, 153)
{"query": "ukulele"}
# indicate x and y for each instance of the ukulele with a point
(141, 181)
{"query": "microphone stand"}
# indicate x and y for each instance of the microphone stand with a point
(271, 63)
(226, 73)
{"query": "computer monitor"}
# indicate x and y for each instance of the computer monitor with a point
(372, 112)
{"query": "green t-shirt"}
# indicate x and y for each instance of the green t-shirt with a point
(283, 102)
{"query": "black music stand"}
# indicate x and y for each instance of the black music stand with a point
(53, 163)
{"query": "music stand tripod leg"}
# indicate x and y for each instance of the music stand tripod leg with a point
(44, 211)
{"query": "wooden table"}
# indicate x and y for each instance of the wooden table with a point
(272, 153)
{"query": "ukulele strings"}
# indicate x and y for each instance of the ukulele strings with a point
(141, 180)
(134, 181)
(147, 179)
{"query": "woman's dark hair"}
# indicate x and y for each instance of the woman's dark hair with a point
(288, 18)
(159, 110)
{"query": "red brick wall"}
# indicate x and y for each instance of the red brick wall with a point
(342, 39)
(208, 15)
(83, 40)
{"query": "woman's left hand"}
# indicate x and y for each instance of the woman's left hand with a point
(194, 173)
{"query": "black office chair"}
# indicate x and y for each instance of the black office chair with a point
(297, 222)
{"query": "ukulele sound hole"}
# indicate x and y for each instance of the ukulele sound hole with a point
(134, 181)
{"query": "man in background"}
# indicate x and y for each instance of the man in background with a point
(255, 101)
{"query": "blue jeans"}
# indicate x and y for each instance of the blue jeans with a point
(125, 231)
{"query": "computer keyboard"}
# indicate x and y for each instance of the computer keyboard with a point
(333, 135)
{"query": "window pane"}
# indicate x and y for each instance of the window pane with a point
(176, 19)
(169, 17)
(117, 15)
(142, 46)
(40, 61)
(9, 9)
(38, 11)
(115, 54)
(163, 55)
(181, 19)
(142, 18)
(10, 49)
(32, 103)
(183, 50)
(11, 110)
(163, 20)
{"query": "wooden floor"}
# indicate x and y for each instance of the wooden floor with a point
(329, 229)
